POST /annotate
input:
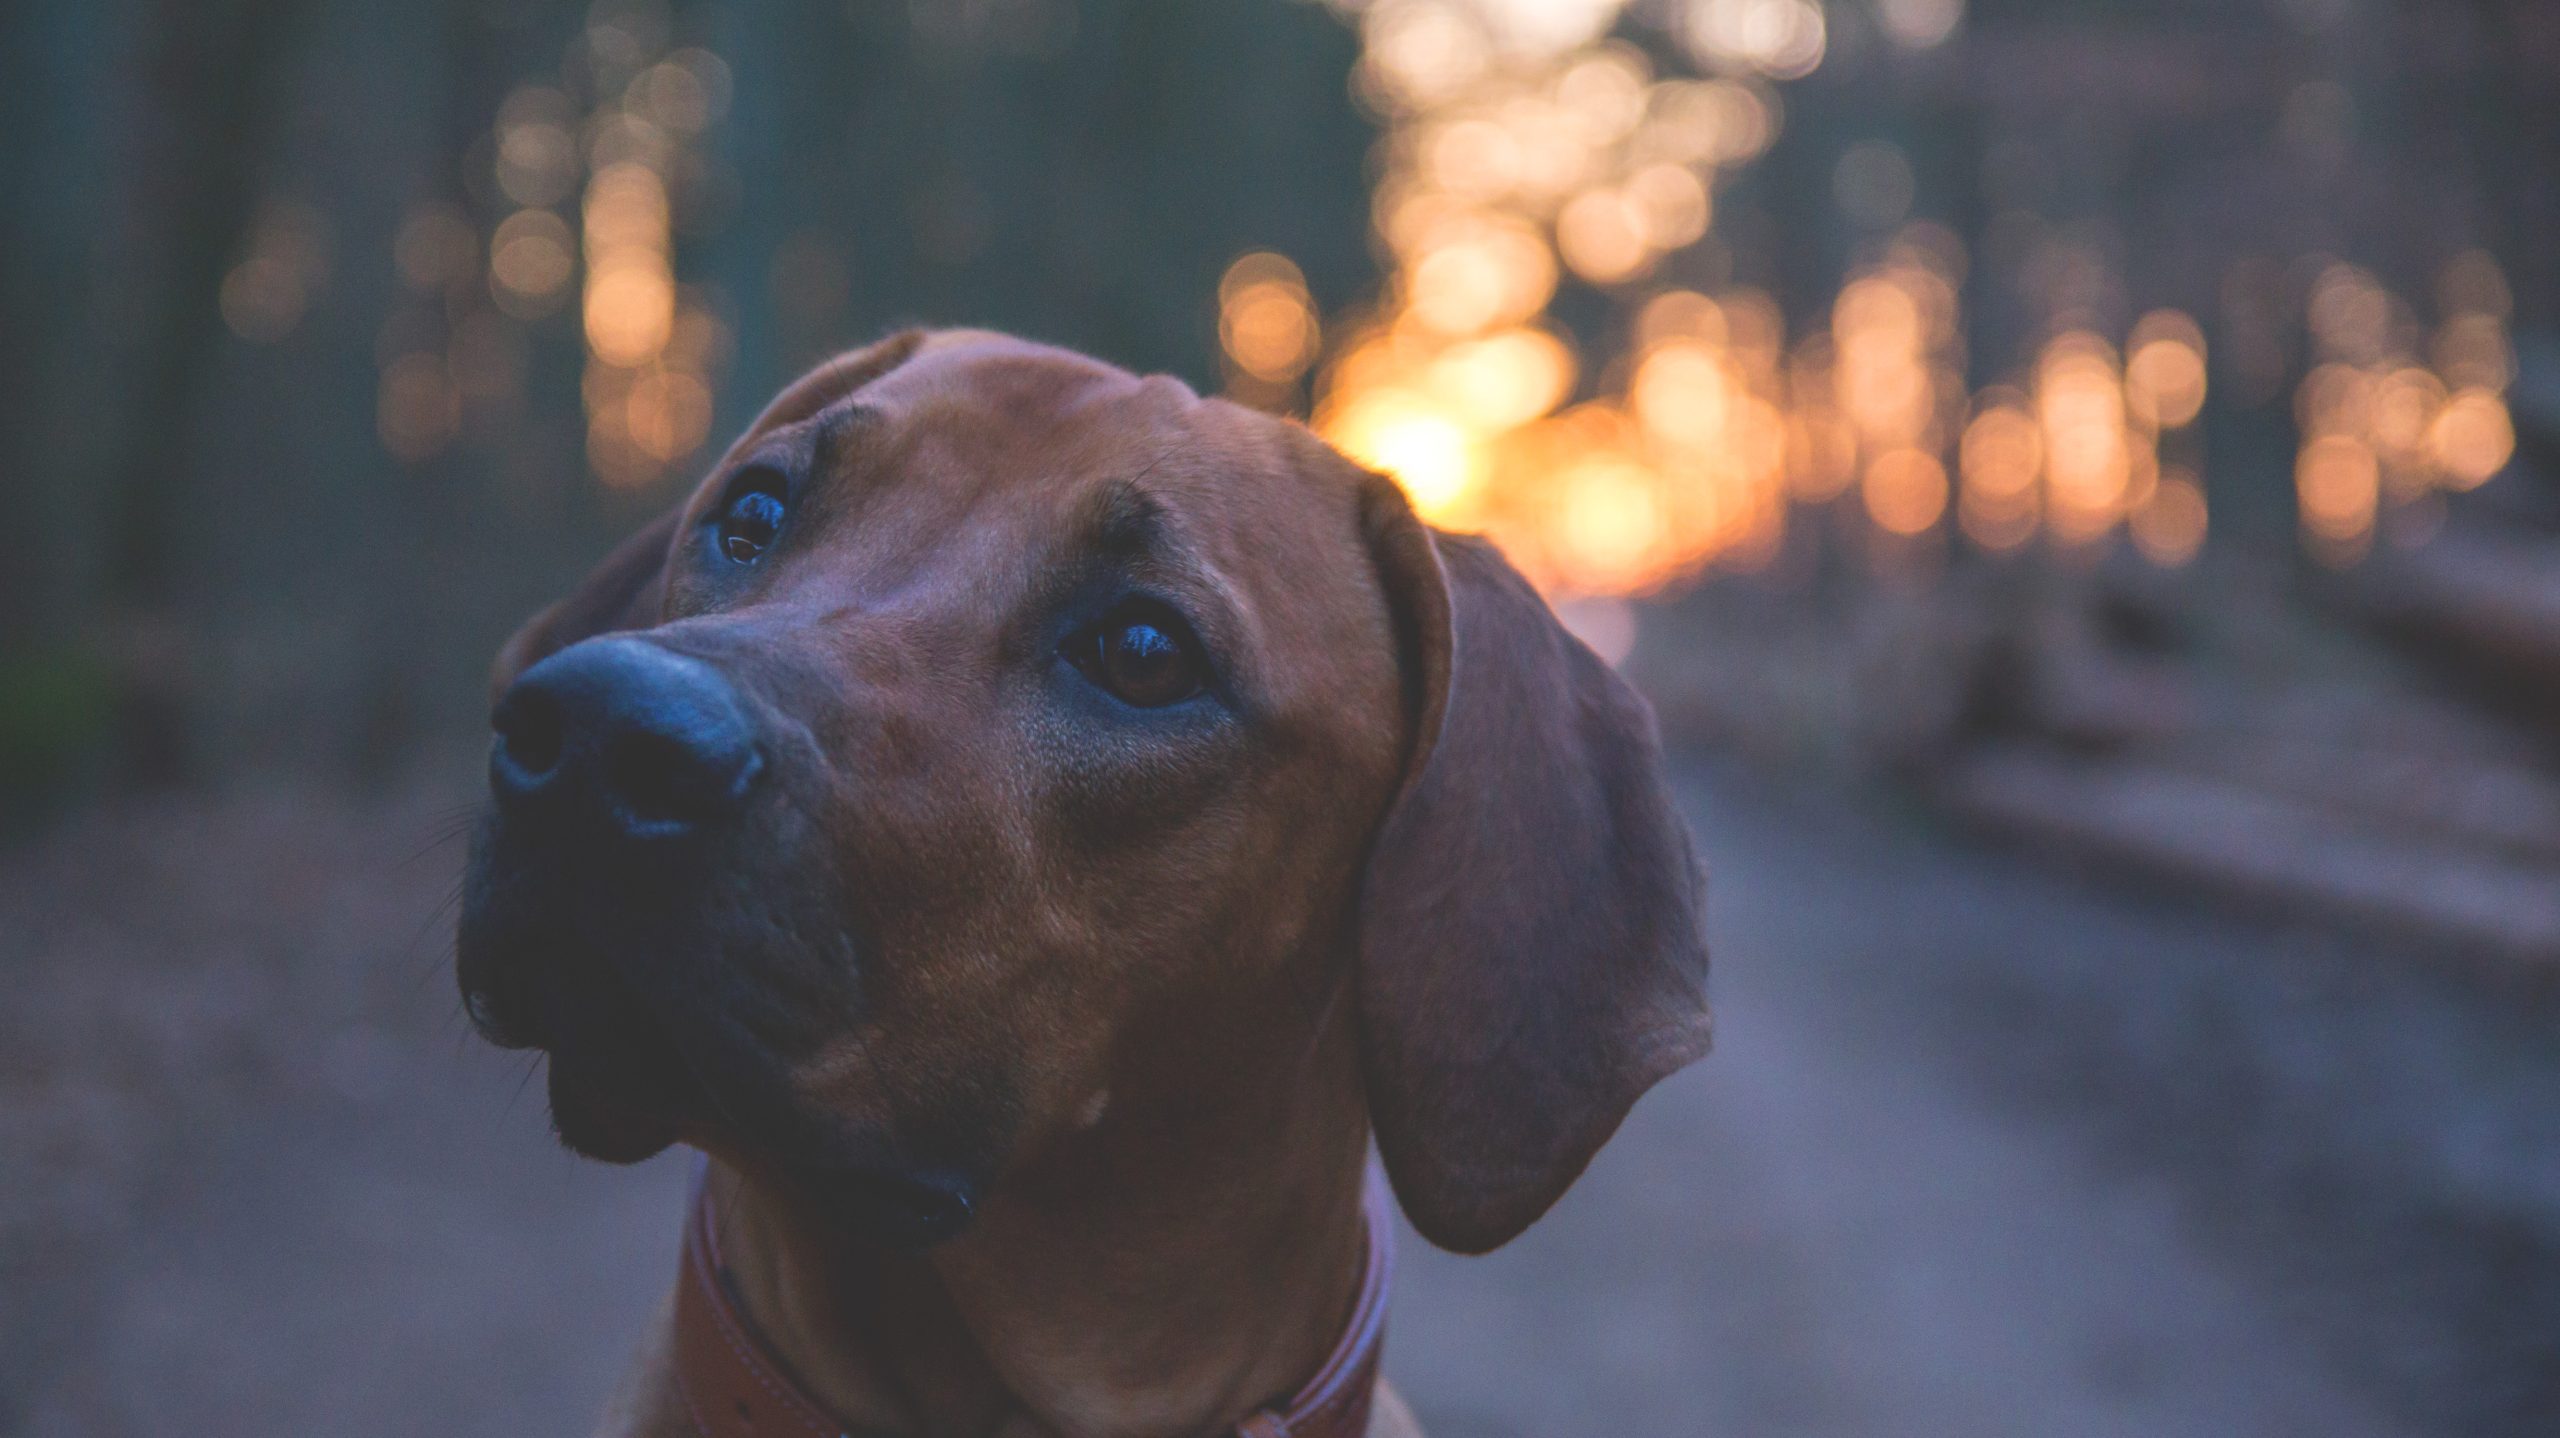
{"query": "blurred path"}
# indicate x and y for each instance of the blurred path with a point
(417, 1260)
(1984, 1151)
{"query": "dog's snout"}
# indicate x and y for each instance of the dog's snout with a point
(650, 742)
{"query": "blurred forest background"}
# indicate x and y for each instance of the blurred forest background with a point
(343, 335)
(301, 392)
(2127, 426)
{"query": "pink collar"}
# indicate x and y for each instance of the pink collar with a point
(734, 1387)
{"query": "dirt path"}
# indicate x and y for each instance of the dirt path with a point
(1988, 1151)
(1984, 1151)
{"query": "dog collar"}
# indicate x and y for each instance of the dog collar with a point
(733, 1386)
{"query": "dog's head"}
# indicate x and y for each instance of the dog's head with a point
(990, 713)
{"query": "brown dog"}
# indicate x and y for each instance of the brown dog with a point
(1034, 826)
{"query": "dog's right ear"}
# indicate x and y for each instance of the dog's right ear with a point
(1530, 954)
(628, 590)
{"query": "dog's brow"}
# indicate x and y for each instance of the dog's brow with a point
(1126, 521)
(837, 430)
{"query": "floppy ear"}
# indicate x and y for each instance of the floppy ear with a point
(1530, 953)
(628, 590)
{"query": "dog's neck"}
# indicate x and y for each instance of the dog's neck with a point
(1186, 1256)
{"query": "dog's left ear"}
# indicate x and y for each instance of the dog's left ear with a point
(1530, 954)
(628, 590)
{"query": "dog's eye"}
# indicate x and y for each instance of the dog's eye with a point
(754, 517)
(1146, 659)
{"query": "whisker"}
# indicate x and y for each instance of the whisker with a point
(441, 830)
(408, 952)
(524, 1080)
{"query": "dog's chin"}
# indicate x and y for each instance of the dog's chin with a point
(629, 1105)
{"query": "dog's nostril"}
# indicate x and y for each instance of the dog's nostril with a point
(530, 730)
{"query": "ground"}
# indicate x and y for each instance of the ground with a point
(1986, 1148)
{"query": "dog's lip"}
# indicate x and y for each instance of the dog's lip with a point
(599, 1108)
(482, 1007)
(590, 1116)
(629, 1073)
(620, 1087)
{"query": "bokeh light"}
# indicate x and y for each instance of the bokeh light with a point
(1267, 327)
(1520, 158)
(2381, 429)
(264, 296)
(1529, 148)
(592, 167)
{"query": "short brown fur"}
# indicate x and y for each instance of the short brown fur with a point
(1149, 991)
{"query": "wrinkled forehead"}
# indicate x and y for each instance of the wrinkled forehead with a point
(992, 464)
(1000, 428)
(1000, 398)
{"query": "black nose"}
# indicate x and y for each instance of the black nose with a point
(650, 742)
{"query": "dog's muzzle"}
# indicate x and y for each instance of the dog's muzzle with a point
(620, 770)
